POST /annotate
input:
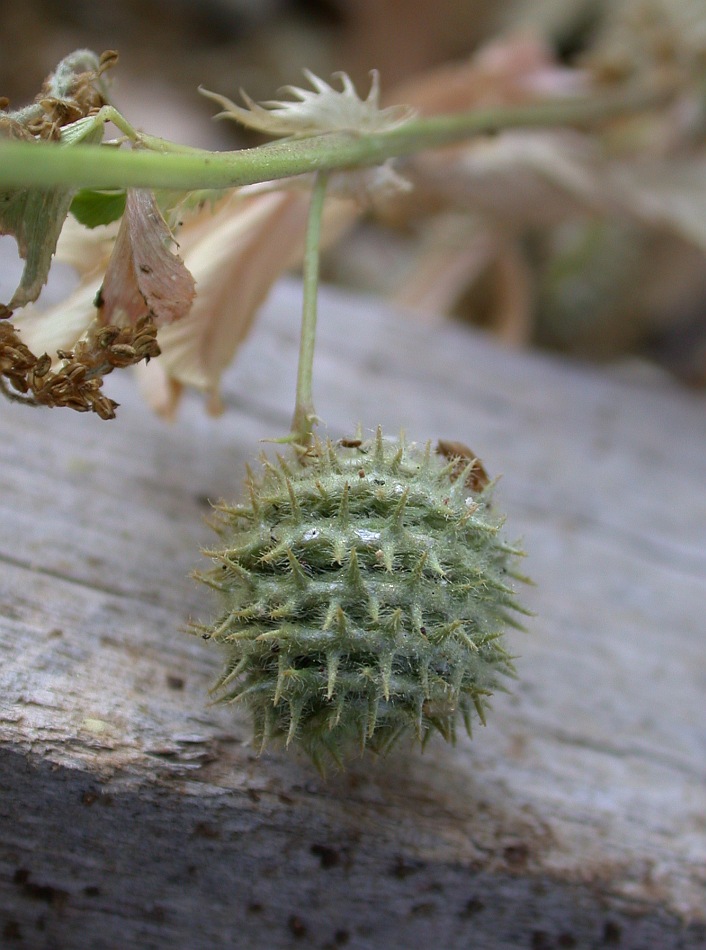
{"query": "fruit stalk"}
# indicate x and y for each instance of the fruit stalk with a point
(304, 418)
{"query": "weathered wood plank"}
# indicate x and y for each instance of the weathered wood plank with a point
(133, 813)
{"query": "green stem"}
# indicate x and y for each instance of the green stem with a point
(43, 165)
(151, 142)
(304, 414)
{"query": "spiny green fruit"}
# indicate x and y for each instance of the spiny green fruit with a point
(365, 592)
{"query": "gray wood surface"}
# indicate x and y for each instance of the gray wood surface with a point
(133, 813)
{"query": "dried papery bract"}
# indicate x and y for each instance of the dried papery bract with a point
(235, 252)
(318, 110)
(145, 275)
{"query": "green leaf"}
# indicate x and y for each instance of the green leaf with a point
(93, 208)
(35, 216)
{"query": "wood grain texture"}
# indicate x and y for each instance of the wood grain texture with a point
(136, 814)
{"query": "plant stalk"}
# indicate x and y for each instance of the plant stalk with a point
(304, 418)
(46, 165)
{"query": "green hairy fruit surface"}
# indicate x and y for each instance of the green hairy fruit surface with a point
(365, 590)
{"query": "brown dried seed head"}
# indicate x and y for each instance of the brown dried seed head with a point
(18, 382)
(148, 349)
(42, 366)
(104, 407)
(76, 383)
(107, 335)
(74, 372)
(122, 354)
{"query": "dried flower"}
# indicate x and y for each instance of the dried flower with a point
(232, 254)
(323, 110)
(235, 253)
